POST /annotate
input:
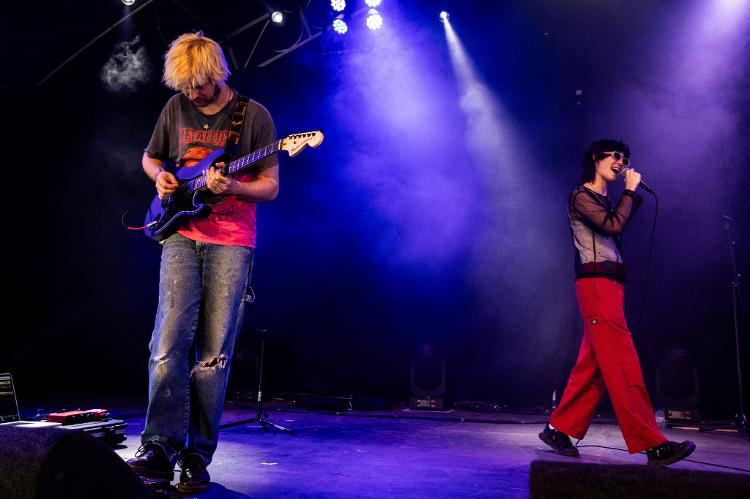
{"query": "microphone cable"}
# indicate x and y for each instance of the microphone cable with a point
(647, 284)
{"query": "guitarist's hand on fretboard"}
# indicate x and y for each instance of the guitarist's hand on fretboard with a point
(217, 182)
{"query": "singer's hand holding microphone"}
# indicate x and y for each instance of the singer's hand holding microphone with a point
(632, 179)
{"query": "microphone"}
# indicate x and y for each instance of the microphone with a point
(621, 173)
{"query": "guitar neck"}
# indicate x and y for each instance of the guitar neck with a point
(245, 161)
(237, 165)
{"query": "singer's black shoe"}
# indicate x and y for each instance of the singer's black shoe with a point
(194, 476)
(151, 462)
(559, 442)
(669, 452)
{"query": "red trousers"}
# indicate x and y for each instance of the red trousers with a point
(607, 361)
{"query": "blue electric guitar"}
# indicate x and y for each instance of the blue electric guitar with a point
(164, 216)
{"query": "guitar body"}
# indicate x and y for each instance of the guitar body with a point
(165, 216)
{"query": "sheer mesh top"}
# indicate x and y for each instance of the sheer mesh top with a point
(596, 228)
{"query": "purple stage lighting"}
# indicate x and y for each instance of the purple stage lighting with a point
(726, 14)
(372, 3)
(727, 4)
(338, 5)
(339, 26)
(444, 16)
(277, 17)
(374, 20)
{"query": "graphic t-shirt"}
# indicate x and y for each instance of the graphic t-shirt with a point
(183, 136)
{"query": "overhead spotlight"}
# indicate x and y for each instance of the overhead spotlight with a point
(339, 26)
(372, 3)
(444, 16)
(338, 5)
(277, 17)
(374, 19)
(128, 2)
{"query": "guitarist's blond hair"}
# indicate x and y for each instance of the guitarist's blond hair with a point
(192, 61)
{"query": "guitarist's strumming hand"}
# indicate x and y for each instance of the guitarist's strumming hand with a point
(217, 182)
(166, 184)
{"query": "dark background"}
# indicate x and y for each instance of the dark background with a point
(413, 223)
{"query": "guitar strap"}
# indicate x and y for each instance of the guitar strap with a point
(235, 129)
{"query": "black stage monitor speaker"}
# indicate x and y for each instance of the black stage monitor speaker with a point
(8, 402)
(47, 462)
(553, 479)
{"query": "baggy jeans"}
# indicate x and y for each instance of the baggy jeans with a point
(201, 292)
(608, 361)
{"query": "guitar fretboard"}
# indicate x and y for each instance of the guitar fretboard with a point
(200, 181)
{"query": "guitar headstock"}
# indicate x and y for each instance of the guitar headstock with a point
(296, 142)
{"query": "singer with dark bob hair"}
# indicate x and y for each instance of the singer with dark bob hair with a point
(607, 359)
(598, 150)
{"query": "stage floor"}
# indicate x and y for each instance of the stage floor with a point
(409, 454)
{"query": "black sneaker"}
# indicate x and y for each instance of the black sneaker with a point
(559, 442)
(669, 452)
(194, 476)
(152, 462)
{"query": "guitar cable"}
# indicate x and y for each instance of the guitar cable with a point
(128, 211)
